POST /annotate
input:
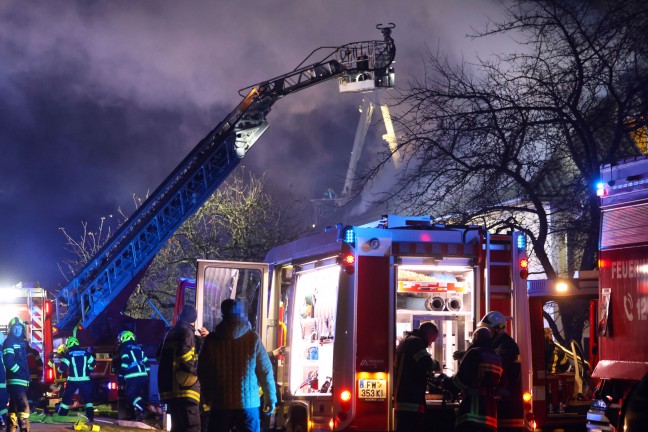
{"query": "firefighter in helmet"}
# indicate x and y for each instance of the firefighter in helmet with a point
(77, 362)
(15, 359)
(4, 396)
(177, 379)
(510, 406)
(413, 366)
(134, 368)
(478, 375)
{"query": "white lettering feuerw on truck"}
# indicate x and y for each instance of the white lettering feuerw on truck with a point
(629, 269)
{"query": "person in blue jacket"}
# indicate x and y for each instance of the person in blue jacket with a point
(134, 368)
(77, 363)
(232, 364)
(14, 352)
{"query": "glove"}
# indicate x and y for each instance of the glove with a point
(458, 355)
(268, 406)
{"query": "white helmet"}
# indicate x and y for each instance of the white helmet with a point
(493, 320)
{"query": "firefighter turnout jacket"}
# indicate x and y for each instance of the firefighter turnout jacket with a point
(510, 406)
(4, 396)
(15, 352)
(177, 357)
(413, 364)
(133, 361)
(479, 373)
(77, 364)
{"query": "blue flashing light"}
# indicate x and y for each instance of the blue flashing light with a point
(600, 188)
(521, 241)
(349, 235)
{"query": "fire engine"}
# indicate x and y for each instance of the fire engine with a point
(332, 307)
(562, 323)
(623, 298)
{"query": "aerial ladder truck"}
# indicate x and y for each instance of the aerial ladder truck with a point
(100, 289)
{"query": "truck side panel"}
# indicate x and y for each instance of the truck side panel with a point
(624, 281)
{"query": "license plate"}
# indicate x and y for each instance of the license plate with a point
(372, 389)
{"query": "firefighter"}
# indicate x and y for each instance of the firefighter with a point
(478, 375)
(15, 360)
(177, 379)
(4, 396)
(77, 363)
(413, 365)
(35, 365)
(510, 406)
(134, 368)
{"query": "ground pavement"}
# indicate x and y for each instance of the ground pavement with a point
(105, 424)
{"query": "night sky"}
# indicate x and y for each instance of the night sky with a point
(100, 100)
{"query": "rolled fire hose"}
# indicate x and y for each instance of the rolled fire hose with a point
(454, 303)
(434, 303)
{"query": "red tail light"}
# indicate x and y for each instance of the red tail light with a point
(49, 375)
(345, 404)
(524, 268)
(347, 262)
(528, 414)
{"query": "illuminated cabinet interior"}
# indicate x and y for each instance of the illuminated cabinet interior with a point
(441, 294)
(311, 346)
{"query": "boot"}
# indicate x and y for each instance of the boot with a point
(24, 424)
(12, 423)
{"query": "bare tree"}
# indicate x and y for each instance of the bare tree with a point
(89, 242)
(522, 135)
(240, 222)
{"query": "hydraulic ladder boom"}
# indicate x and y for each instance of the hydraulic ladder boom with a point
(359, 66)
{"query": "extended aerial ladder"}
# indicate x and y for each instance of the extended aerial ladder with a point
(115, 270)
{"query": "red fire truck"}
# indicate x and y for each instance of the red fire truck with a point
(562, 322)
(334, 306)
(623, 298)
